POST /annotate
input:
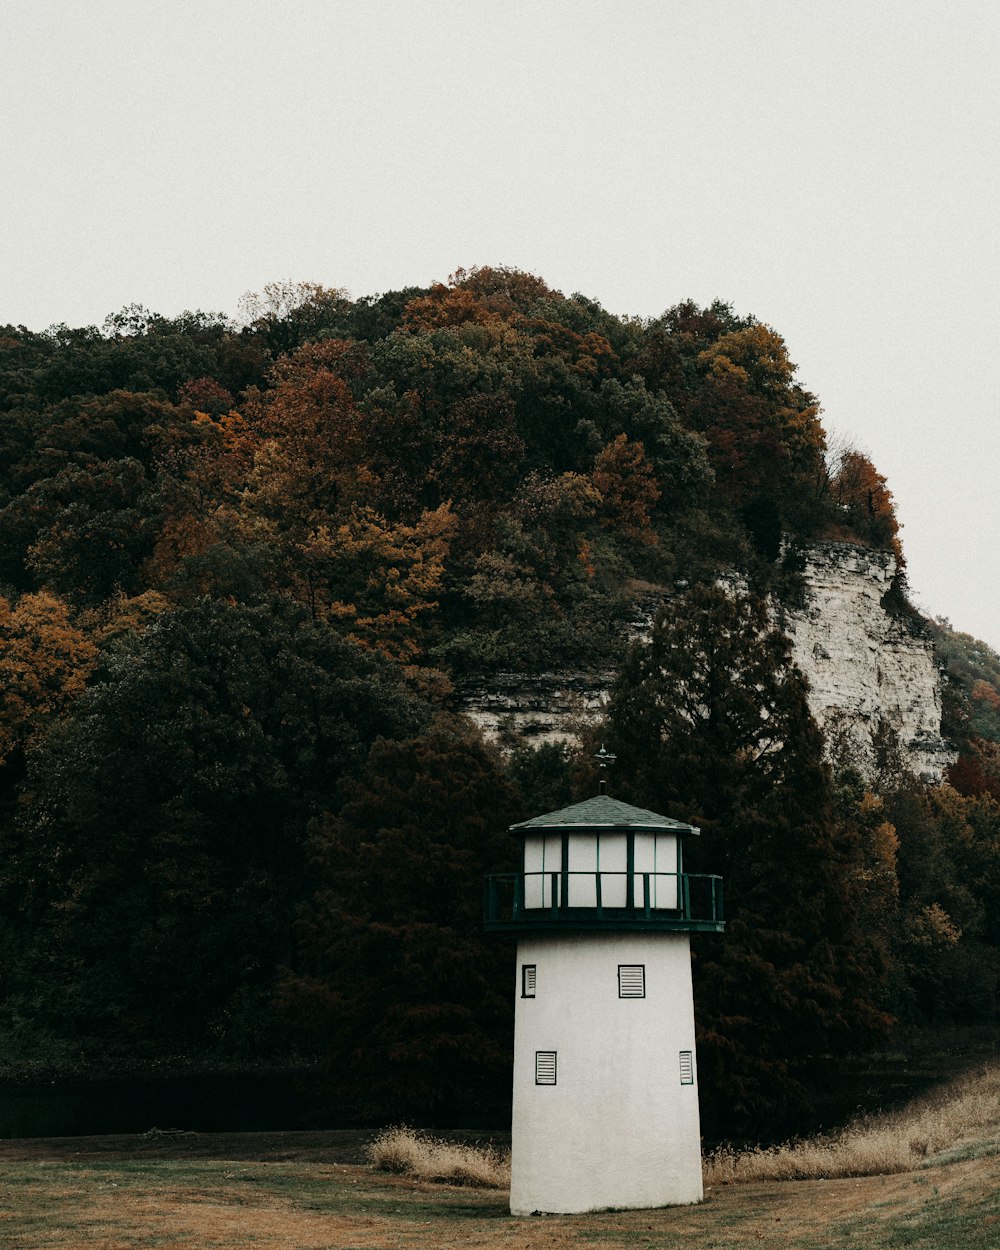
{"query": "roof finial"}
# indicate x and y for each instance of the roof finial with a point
(604, 758)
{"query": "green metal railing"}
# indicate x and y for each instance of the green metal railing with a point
(524, 902)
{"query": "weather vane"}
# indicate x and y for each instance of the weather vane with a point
(604, 758)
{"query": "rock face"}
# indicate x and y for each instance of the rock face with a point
(539, 707)
(865, 667)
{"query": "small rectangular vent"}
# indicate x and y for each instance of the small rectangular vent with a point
(631, 980)
(545, 1067)
(687, 1067)
(527, 980)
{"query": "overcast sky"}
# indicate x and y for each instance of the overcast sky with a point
(830, 166)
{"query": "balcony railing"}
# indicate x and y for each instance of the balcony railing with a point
(519, 902)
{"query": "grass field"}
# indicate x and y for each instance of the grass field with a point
(300, 1191)
(117, 1200)
(204, 1204)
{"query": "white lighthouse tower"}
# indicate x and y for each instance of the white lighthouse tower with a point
(605, 1110)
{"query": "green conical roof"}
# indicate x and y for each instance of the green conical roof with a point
(604, 812)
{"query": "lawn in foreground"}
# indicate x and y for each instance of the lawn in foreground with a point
(202, 1203)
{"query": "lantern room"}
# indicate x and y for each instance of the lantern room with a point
(605, 864)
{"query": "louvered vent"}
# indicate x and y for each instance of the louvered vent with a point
(631, 980)
(687, 1067)
(527, 980)
(545, 1067)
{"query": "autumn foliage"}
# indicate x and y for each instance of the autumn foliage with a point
(245, 567)
(44, 663)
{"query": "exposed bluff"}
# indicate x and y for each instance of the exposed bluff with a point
(866, 666)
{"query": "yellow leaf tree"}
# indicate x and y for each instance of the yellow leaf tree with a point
(380, 579)
(45, 661)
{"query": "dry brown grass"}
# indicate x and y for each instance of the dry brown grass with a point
(309, 1192)
(964, 1111)
(413, 1153)
(219, 1205)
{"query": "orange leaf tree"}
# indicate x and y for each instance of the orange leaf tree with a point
(45, 661)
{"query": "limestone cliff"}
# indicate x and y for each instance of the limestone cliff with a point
(865, 665)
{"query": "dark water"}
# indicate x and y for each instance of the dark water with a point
(210, 1104)
(286, 1102)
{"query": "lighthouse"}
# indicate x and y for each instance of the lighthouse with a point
(605, 1100)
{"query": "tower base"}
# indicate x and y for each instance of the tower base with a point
(605, 1109)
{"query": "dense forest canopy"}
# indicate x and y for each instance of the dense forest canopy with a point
(465, 478)
(244, 567)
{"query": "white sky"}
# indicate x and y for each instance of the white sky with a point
(831, 166)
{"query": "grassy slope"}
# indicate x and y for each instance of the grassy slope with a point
(206, 1204)
(939, 1189)
(233, 1192)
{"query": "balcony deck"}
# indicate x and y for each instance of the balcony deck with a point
(518, 902)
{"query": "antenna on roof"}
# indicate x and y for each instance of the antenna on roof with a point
(604, 758)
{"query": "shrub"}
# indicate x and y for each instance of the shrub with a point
(409, 1151)
(963, 1111)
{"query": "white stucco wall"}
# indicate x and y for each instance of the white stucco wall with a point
(618, 1129)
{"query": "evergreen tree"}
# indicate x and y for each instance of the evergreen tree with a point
(711, 724)
(411, 1003)
(151, 879)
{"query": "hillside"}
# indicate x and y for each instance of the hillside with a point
(514, 457)
(971, 708)
(247, 570)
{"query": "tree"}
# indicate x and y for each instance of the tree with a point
(763, 432)
(45, 661)
(303, 498)
(667, 354)
(408, 1000)
(447, 306)
(627, 488)
(711, 724)
(379, 580)
(971, 689)
(86, 529)
(543, 774)
(507, 287)
(83, 515)
(865, 501)
(117, 426)
(207, 396)
(480, 458)
(288, 314)
(948, 872)
(549, 590)
(151, 879)
(301, 439)
(678, 456)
